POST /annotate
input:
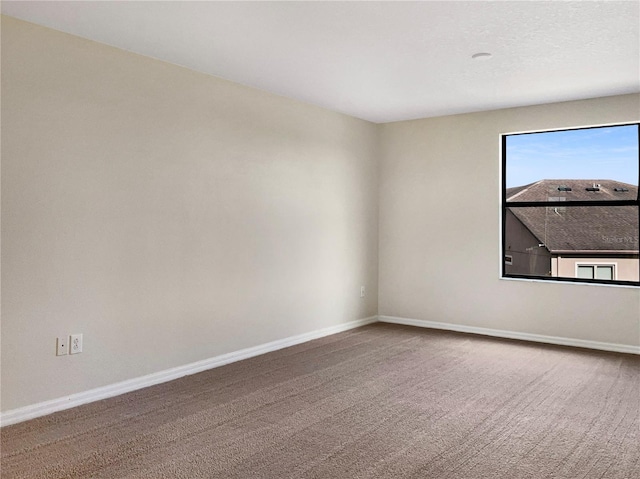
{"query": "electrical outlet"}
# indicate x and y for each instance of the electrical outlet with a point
(62, 346)
(362, 291)
(75, 344)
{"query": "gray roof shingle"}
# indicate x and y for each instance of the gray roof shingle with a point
(565, 229)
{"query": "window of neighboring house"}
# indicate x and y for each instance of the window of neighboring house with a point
(596, 271)
(570, 205)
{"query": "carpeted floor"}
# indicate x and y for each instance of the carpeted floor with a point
(382, 401)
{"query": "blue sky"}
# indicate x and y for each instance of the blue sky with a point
(608, 153)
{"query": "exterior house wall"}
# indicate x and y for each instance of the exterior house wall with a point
(626, 268)
(528, 257)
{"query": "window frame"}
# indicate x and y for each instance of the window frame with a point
(504, 206)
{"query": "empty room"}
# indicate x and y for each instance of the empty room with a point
(320, 239)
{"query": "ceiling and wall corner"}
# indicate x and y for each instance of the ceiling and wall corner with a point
(378, 61)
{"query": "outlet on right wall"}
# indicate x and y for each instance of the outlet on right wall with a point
(439, 231)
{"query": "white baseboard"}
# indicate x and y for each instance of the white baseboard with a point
(47, 407)
(539, 338)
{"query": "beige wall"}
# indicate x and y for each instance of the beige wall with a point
(167, 215)
(172, 217)
(439, 229)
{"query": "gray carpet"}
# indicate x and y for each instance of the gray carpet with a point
(382, 401)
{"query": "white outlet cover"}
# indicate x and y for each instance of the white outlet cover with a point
(75, 344)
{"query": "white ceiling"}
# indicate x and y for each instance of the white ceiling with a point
(380, 61)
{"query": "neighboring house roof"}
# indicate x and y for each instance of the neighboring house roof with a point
(580, 229)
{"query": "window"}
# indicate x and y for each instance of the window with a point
(595, 271)
(570, 205)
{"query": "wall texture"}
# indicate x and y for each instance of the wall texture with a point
(440, 237)
(167, 215)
